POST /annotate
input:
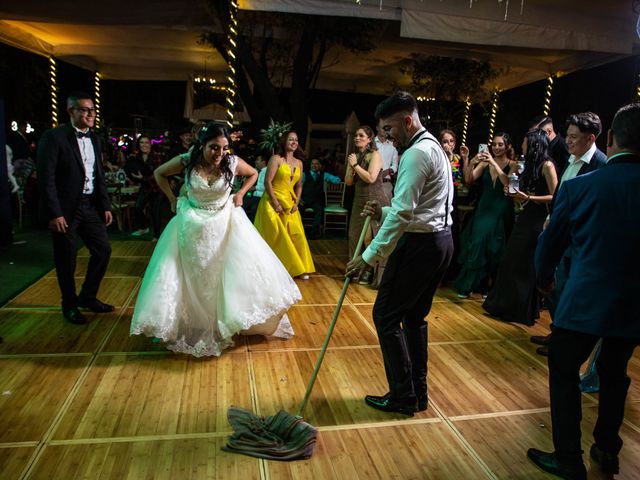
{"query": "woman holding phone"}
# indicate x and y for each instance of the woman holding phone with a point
(485, 237)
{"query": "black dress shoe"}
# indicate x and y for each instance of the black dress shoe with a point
(73, 315)
(386, 404)
(544, 351)
(549, 463)
(95, 305)
(608, 462)
(541, 339)
(423, 403)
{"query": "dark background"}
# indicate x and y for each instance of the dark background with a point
(24, 85)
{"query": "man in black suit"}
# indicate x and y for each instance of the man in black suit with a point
(75, 203)
(582, 131)
(557, 145)
(597, 215)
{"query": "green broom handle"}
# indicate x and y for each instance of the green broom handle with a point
(333, 321)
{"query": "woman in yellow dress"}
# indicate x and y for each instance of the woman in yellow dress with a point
(277, 218)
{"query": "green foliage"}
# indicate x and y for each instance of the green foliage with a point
(446, 78)
(270, 136)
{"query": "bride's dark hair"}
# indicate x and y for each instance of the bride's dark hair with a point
(209, 132)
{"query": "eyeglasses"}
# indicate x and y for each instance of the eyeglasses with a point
(86, 111)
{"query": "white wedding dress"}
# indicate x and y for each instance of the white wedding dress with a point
(212, 276)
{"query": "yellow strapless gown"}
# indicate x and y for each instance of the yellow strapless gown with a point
(284, 232)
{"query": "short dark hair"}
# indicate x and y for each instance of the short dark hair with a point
(626, 127)
(73, 97)
(586, 122)
(539, 122)
(398, 102)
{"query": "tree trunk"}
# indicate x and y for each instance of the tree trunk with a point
(299, 96)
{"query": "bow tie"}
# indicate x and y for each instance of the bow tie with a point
(86, 134)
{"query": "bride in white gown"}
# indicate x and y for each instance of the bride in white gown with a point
(211, 275)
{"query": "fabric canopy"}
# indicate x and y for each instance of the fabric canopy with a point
(158, 40)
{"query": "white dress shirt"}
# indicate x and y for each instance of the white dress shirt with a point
(575, 164)
(422, 199)
(389, 155)
(88, 160)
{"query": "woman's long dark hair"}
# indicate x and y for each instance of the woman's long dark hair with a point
(537, 154)
(138, 152)
(209, 132)
(508, 144)
(282, 147)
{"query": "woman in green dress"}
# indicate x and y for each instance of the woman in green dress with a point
(484, 239)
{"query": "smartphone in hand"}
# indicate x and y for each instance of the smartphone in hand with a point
(483, 147)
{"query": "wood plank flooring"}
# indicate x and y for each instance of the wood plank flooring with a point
(92, 402)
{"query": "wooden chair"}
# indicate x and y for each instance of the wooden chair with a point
(123, 200)
(336, 217)
(307, 219)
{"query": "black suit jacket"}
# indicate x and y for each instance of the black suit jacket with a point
(61, 175)
(597, 218)
(598, 160)
(559, 153)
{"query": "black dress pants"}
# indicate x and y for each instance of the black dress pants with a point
(568, 350)
(411, 277)
(88, 225)
(318, 213)
(141, 220)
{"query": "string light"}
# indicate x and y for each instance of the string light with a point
(96, 95)
(426, 99)
(638, 90)
(547, 95)
(494, 112)
(465, 122)
(54, 92)
(211, 82)
(232, 36)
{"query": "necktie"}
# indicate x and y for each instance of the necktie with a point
(86, 134)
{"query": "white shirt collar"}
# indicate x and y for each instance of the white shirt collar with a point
(86, 130)
(586, 157)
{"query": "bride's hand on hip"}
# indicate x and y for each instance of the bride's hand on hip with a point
(237, 200)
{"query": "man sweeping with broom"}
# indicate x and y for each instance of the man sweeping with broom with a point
(415, 235)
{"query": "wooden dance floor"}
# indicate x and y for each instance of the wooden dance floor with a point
(92, 402)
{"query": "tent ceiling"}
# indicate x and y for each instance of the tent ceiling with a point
(158, 40)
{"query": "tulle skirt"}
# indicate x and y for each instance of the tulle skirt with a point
(212, 276)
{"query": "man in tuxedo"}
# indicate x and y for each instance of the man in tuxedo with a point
(75, 203)
(597, 214)
(415, 235)
(582, 131)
